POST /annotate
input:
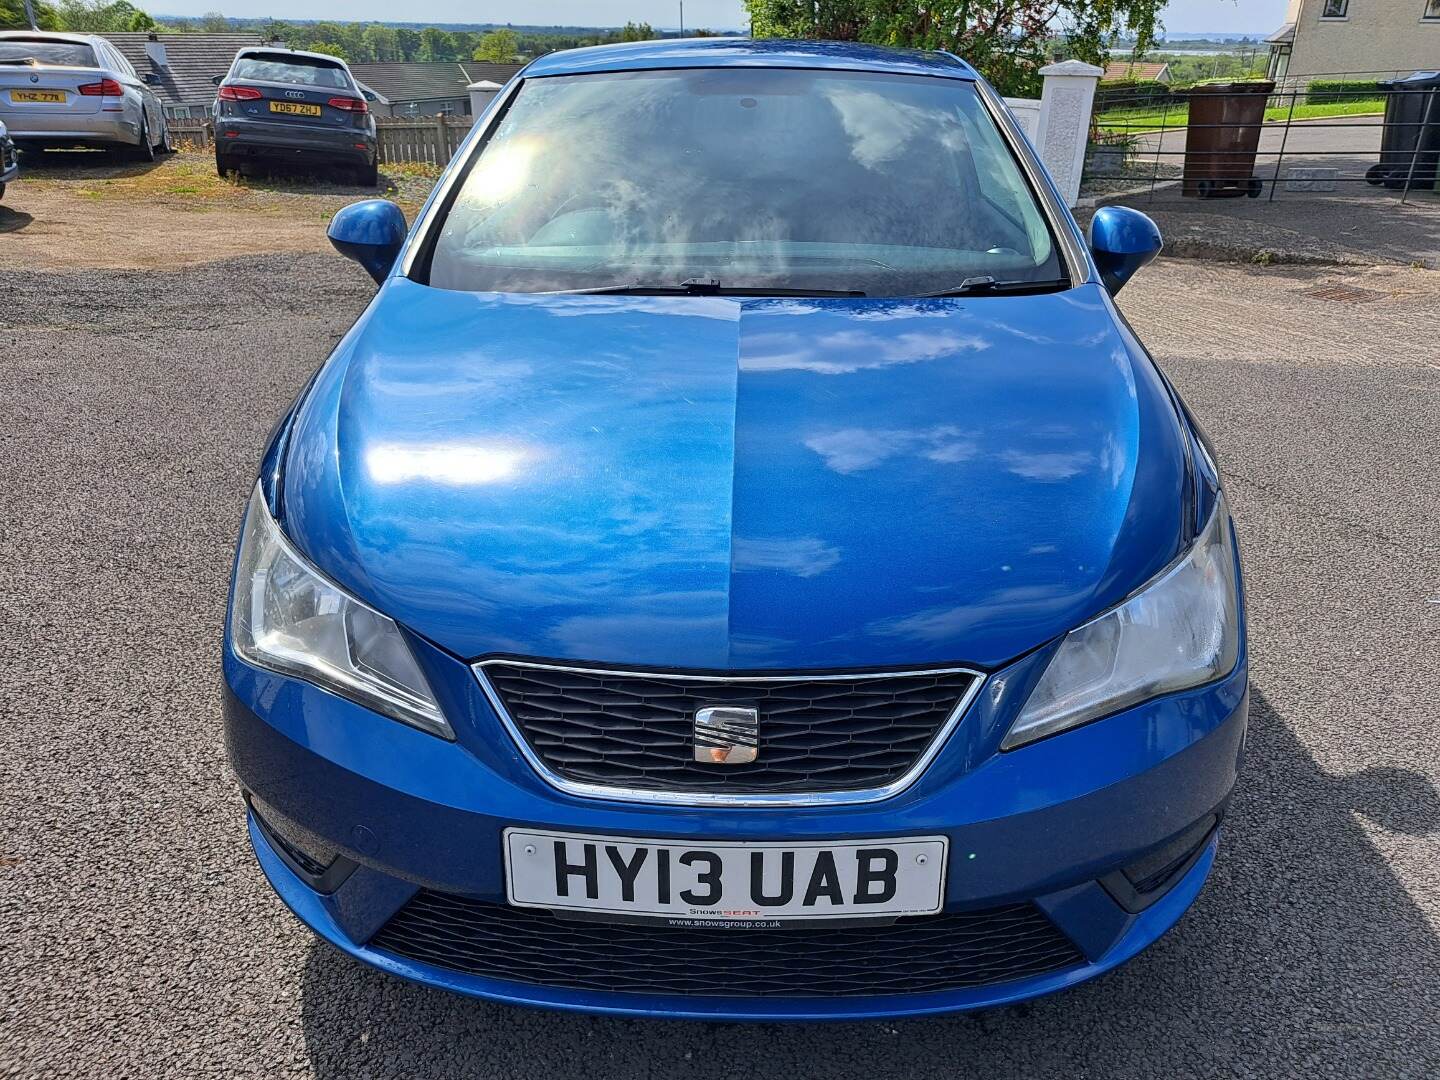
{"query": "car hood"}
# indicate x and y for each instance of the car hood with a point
(707, 482)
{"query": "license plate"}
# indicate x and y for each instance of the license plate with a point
(293, 109)
(727, 883)
(57, 96)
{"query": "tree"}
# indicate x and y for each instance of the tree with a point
(12, 16)
(1005, 39)
(498, 46)
(435, 44)
(96, 17)
(213, 22)
(463, 44)
(357, 46)
(408, 41)
(637, 32)
(383, 42)
(319, 31)
(329, 48)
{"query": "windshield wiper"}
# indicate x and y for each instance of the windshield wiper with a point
(703, 287)
(987, 284)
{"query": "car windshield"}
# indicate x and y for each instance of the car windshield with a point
(301, 70)
(49, 53)
(744, 178)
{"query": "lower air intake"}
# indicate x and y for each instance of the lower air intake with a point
(919, 955)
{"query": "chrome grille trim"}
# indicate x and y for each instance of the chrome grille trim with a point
(713, 798)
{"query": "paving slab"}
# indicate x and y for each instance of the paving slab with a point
(1356, 224)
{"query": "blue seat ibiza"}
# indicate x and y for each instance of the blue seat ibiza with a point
(741, 564)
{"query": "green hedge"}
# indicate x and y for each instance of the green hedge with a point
(1134, 94)
(1325, 91)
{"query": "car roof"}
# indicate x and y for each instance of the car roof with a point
(47, 35)
(746, 52)
(252, 50)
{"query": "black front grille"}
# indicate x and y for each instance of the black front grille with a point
(621, 729)
(910, 956)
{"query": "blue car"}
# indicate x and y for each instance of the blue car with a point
(741, 565)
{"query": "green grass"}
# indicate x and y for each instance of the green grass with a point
(1138, 121)
(1358, 107)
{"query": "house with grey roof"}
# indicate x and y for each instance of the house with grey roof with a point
(423, 88)
(184, 65)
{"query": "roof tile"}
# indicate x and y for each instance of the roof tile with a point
(193, 60)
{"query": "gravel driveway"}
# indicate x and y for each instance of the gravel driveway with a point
(137, 938)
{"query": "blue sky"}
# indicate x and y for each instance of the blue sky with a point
(1192, 16)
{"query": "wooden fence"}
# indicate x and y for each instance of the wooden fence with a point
(432, 140)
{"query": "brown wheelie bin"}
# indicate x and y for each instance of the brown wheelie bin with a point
(1222, 138)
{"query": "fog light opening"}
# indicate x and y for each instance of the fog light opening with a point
(318, 863)
(1138, 884)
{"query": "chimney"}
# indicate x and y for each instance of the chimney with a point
(482, 93)
(155, 50)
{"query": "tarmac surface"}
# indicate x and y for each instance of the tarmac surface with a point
(139, 939)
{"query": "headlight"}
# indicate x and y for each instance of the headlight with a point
(1180, 630)
(287, 617)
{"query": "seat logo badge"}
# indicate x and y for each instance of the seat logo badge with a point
(726, 736)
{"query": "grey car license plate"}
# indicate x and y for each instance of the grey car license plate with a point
(712, 883)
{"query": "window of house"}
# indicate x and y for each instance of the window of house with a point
(1335, 9)
(1432, 10)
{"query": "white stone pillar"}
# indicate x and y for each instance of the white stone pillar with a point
(1064, 125)
(1027, 114)
(481, 94)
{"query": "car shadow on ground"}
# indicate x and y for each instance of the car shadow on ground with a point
(1303, 942)
(299, 180)
(12, 220)
(84, 164)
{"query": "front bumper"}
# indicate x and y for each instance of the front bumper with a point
(1047, 824)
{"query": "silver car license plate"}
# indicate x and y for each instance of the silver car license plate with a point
(728, 882)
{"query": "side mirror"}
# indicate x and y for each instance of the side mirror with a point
(370, 232)
(216, 80)
(1122, 241)
(150, 78)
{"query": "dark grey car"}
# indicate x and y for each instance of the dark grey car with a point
(280, 105)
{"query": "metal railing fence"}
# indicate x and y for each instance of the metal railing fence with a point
(1139, 140)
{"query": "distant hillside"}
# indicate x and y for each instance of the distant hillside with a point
(191, 22)
(1213, 36)
(375, 42)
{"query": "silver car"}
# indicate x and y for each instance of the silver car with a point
(77, 90)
